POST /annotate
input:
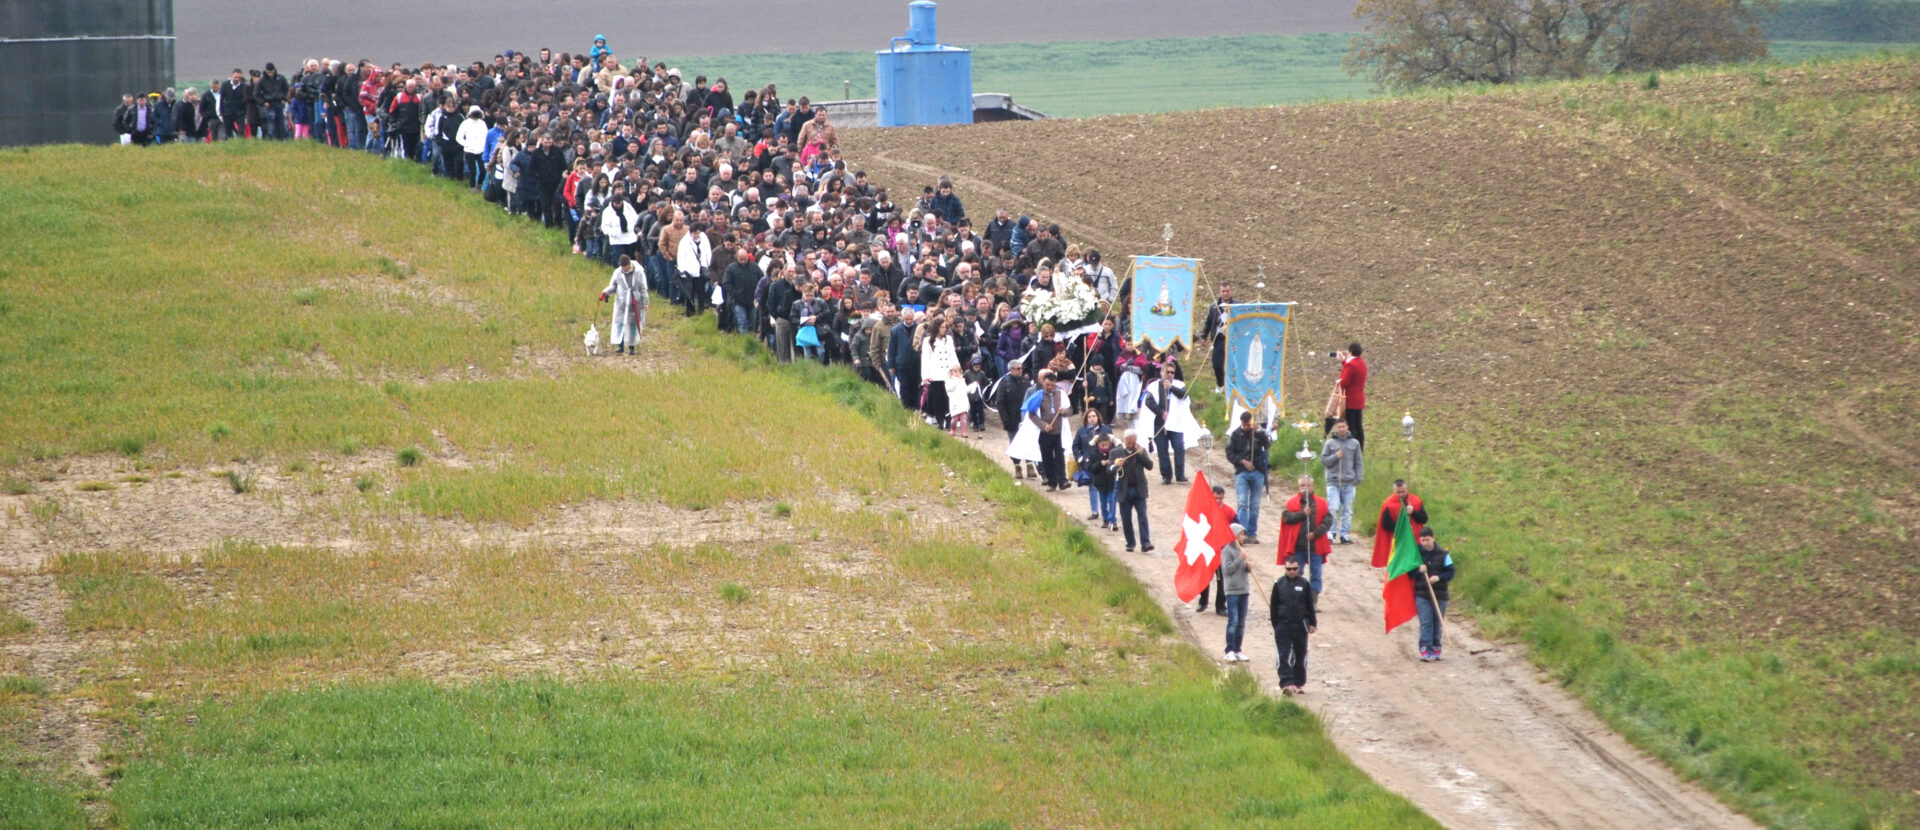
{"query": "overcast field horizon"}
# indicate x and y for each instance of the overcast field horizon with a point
(217, 35)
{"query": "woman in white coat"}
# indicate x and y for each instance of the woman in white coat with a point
(620, 224)
(628, 289)
(938, 359)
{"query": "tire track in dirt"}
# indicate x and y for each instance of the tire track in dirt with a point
(1479, 741)
(1649, 161)
(1842, 414)
(928, 174)
(67, 729)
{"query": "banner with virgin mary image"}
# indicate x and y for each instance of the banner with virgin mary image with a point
(1256, 353)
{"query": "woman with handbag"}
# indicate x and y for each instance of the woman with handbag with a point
(806, 319)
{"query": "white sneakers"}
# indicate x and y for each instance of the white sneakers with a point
(1236, 657)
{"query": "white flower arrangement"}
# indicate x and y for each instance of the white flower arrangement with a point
(1071, 305)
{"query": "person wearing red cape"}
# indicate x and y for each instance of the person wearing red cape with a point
(1304, 540)
(1389, 515)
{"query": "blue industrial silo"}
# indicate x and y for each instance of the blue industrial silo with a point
(921, 80)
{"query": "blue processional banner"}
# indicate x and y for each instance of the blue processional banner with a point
(1163, 300)
(1256, 354)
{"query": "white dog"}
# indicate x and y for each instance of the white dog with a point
(592, 339)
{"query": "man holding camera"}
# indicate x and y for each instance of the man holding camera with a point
(1352, 389)
(1215, 329)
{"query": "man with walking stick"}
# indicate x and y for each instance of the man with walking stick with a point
(1436, 571)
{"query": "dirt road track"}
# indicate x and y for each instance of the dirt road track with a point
(1477, 741)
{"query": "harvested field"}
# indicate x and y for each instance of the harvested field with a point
(1655, 339)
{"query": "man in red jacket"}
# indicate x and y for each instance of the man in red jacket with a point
(1353, 385)
(1303, 530)
(1390, 518)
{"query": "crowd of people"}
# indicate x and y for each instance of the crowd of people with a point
(744, 207)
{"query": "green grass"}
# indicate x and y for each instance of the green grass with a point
(1073, 79)
(1604, 575)
(624, 752)
(826, 665)
(1081, 78)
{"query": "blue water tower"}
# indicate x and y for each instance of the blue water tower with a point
(920, 79)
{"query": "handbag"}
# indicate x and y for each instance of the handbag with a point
(1337, 403)
(807, 337)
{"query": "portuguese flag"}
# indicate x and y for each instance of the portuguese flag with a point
(1403, 566)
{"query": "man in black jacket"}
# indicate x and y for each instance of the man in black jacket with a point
(904, 360)
(780, 298)
(738, 283)
(1291, 609)
(549, 169)
(271, 93)
(234, 95)
(346, 103)
(1133, 463)
(1247, 451)
(1430, 598)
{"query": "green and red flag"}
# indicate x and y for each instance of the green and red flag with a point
(1402, 569)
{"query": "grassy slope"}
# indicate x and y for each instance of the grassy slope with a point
(319, 306)
(1631, 324)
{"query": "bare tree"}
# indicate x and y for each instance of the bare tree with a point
(1411, 43)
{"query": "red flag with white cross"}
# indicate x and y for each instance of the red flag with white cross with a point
(1204, 530)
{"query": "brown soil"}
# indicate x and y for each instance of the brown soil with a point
(1711, 309)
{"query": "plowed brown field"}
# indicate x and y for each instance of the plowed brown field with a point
(1662, 344)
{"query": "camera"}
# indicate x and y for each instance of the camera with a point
(1334, 355)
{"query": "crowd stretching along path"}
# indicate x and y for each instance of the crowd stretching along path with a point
(706, 201)
(743, 206)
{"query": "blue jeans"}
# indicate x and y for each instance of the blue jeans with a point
(1236, 620)
(1315, 563)
(1248, 489)
(1177, 467)
(1429, 621)
(1135, 503)
(1340, 502)
(274, 121)
(356, 130)
(1100, 502)
(742, 319)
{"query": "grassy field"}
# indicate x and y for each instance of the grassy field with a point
(1077, 79)
(538, 589)
(1624, 314)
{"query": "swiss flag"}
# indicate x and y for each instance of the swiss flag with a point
(1204, 530)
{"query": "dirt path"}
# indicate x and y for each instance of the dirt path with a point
(1477, 741)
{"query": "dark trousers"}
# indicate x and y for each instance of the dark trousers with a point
(1177, 466)
(693, 294)
(1220, 359)
(452, 160)
(1219, 594)
(909, 377)
(1354, 426)
(1291, 639)
(1053, 460)
(1131, 504)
